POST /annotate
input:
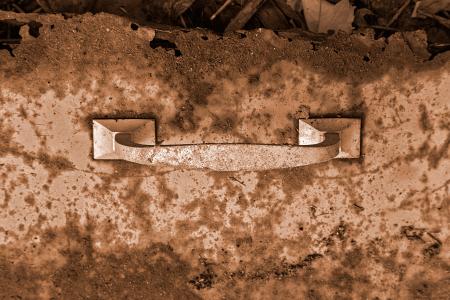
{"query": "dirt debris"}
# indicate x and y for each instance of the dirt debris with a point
(385, 17)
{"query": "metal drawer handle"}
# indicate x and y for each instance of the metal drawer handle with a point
(319, 140)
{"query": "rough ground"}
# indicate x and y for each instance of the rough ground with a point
(75, 228)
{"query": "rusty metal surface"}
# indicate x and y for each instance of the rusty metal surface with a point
(73, 227)
(134, 140)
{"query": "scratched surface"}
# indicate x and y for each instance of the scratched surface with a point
(72, 227)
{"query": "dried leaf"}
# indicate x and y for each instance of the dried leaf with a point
(322, 16)
(244, 15)
(74, 6)
(361, 17)
(295, 4)
(434, 6)
(180, 6)
(44, 4)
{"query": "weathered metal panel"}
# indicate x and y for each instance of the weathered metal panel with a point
(72, 226)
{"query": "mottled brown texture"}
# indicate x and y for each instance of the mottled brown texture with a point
(72, 227)
(155, 271)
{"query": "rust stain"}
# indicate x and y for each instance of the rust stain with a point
(72, 227)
